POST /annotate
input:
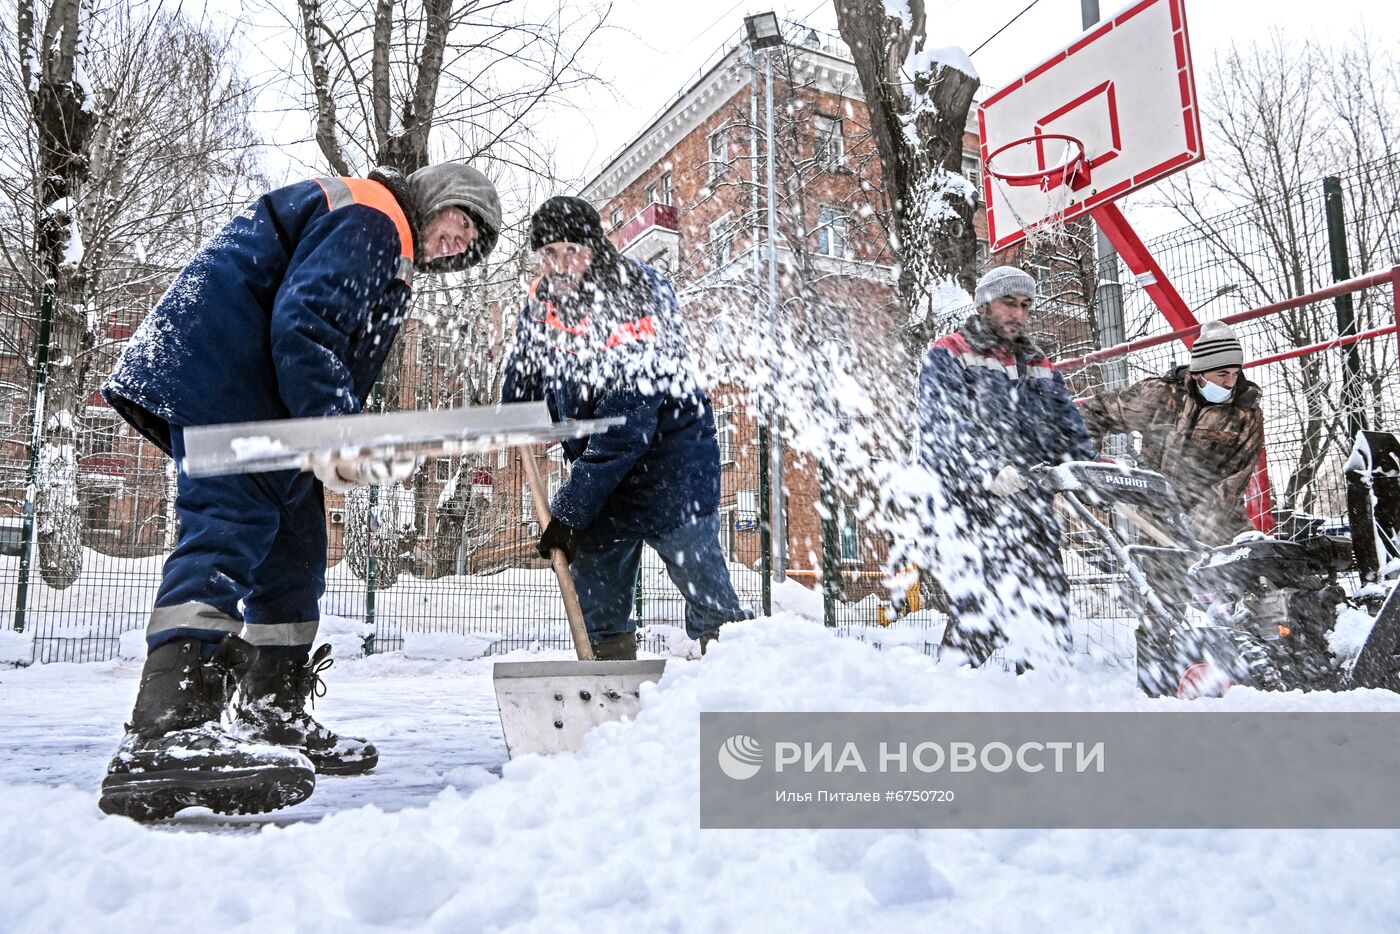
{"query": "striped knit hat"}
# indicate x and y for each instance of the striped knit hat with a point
(1216, 348)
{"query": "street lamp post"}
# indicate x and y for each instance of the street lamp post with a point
(764, 33)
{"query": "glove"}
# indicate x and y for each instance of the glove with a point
(1008, 482)
(558, 535)
(341, 478)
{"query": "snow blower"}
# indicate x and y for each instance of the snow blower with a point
(1256, 612)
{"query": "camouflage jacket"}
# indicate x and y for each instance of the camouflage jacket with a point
(1208, 452)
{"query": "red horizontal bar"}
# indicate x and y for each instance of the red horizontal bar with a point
(1332, 291)
(1325, 345)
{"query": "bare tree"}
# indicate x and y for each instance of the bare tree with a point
(1285, 114)
(918, 98)
(385, 77)
(136, 136)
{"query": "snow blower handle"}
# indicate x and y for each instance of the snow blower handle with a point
(560, 562)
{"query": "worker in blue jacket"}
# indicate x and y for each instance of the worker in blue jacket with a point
(289, 311)
(600, 336)
(991, 407)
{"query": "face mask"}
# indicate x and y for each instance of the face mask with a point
(1215, 394)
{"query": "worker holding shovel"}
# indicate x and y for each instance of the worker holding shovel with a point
(600, 337)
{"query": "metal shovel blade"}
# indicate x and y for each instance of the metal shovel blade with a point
(549, 707)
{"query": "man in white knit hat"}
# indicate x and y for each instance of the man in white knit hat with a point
(1201, 428)
(991, 406)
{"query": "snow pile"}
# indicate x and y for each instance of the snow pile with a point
(608, 839)
(16, 648)
(1353, 628)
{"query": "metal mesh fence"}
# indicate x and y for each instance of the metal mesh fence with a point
(428, 565)
(1224, 265)
(450, 555)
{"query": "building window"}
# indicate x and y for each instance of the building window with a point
(726, 533)
(746, 502)
(444, 469)
(983, 251)
(651, 194)
(1039, 268)
(831, 234)
(665, 194)
(719, 153)
(829, 141)
(101, 437)
(849, 534)
(721, 242)
(527, 505)
(557, 471)
(724, 435)
(972, 167)
(616, 218)
(503, 459)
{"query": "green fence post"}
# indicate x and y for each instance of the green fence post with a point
(36, 437)
(831, 567)
(1346, 317)
(765, 529)
(372, 538)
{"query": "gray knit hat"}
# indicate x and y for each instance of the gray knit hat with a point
(1000, 282)
(454, 184)
(1216, 348)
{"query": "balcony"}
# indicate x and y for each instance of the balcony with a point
(652, 237)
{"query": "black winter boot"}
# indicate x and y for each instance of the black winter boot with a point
(177, 754)
(272, 708)
(618, 648)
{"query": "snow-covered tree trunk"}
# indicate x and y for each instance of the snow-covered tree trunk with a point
(918, 99)
(62, 109)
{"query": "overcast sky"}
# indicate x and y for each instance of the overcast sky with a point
(657, 48)
(668, 50)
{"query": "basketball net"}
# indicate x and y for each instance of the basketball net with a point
(1035, 189)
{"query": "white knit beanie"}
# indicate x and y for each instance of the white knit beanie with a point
(1000, 282)
(1216, 348)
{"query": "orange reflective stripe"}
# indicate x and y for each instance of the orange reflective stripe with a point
(641, 329)
(342, 191)
(628, 331)
(551, 314)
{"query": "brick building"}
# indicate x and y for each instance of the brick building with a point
(688, 195)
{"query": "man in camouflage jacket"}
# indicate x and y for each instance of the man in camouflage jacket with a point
(1201, 428)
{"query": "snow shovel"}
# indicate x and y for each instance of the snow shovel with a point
(303, 443)
(549, 707)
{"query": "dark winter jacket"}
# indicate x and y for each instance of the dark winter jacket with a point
(985, 404)
(618, 349)
(286, 312)
(1208, 452)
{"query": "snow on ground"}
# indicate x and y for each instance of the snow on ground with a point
(447, 835)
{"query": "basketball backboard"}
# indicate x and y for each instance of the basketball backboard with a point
(1124, 90)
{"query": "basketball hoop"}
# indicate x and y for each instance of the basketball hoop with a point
(1072, 168)
(1052, 163)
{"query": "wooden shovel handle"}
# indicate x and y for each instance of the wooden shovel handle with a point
(560, 562)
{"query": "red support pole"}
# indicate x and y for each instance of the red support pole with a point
(1174, 308)
(1259, 496)
(1140, 262)
(1395, 304)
